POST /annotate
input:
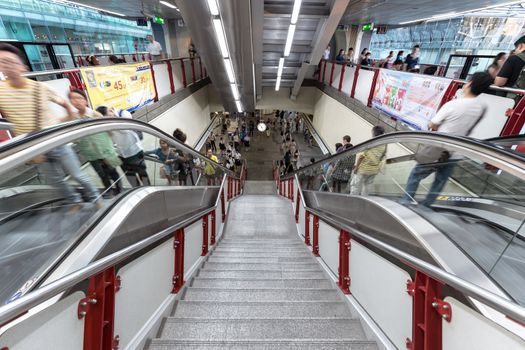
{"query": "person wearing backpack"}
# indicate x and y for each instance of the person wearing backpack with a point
(457, 117)
(512, 72)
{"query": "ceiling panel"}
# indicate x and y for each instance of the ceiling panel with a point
(135, 8)
(394, 12)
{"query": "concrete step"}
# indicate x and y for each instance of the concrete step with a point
(252, 260)
(261, 249)
(238, 310)
(277, 294)
(260, 283)
(262, 274)
(292, 244)
(311, 266)
(228, 239)
(284, 344)
(262, 254)
(252, 329)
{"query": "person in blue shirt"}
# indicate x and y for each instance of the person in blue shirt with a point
(341, 58)
(167, 156)
(412, 60)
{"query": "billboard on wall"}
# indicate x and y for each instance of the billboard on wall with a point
(412, 98)
(123, 86)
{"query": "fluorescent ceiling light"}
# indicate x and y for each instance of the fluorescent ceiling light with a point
(239, 105)
(214, 10)
(235, 91)
(449, 14)
(278, 83)
(296, 10)
(289, 39)
(219, 32)
(170, 5)
(229, 70)
(281, 66)
(92, 7)
(462, 12)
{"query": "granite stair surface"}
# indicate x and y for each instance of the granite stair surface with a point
(261, 288)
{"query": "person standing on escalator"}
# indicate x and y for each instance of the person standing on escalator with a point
(25, 104)
(342, 170)
(457, 117)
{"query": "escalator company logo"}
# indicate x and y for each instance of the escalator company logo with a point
(454, 198)
(23, 290)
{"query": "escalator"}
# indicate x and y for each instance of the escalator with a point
(43, 237)
(473, 229)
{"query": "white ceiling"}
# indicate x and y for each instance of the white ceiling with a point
(134, 8)
(394, 12)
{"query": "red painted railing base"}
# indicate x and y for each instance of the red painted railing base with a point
(204, 235)
(344, 263)
(307, 228)
(213, 228)
(178, 276)
(315, 247)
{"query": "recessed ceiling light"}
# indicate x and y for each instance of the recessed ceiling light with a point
(169, 4)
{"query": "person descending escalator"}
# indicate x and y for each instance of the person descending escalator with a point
(342, 170)
(25, 103)
(166, 155)
(97, 149)
(457, 117)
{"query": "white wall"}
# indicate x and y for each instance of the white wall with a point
(191, 115)
(272, 99)
(333, 120)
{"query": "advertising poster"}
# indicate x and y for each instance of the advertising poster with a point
(412, 98)
(123, 86)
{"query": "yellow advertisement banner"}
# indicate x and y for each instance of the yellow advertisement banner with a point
(123, 86)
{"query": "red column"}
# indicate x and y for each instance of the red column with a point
(428, 310)
(324, 72)
(204, 235)
(223, 206)
(307, 228)
(184, 82)
(170, 73)
(315, 247)
(200, 66)
(344, 264)
(98, 307)
(192, 70)
(332, 74)
(154, 83)
(297, 202)
(450, 93)
(356, 76)
(178, 276)
(372, 89)
(213, 228)
(290, 189)
(341, 78)
(75, 80)
(280, 187)
(516, 119)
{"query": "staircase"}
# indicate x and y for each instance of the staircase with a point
(261, 288)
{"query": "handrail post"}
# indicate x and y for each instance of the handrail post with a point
(450, 92)
(229, 193)
(98, 307)
(290, 189)
(184, 82)
(373, 88)
(170, 74)
(200, 66)
(341, 78)
(192, 70)
(428, 312)
(204, 235)
(344, 263)
(332, 74)
(315, 247)
(515, 120)
(156, 98)
(356, 76)
(223, 206)
(307, 228)
(280, 187)
(324, 72)
(213, 228)
(178, 276)
(298, 201)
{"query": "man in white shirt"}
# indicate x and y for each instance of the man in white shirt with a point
(457, 117)
(154, 48)
(326, 55)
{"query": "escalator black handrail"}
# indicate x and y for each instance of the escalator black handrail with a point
(500, 304)
(320, 141)
(511, 140)
(23, 304)
(201, 140)
(61, 134)
(485, 150)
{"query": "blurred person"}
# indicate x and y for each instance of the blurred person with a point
(398, 65)
(213, 145)
(389, 60)
(115, 60)
(92, 60)
(310, 176)
(192, 52)
(338, 147)
(154, 48)
(362, 56)
(342, 170)
(129, 149)
(511, 73)
(350, 55)
(400, 56)
(497, 63)
(185, 161)
(166, 155)
(210, 168)
(340, 58)
(326, 54)
(457, 117)
(367, 61)
(430, 70)
(25, 104)
(412, 59)
(368, 166)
